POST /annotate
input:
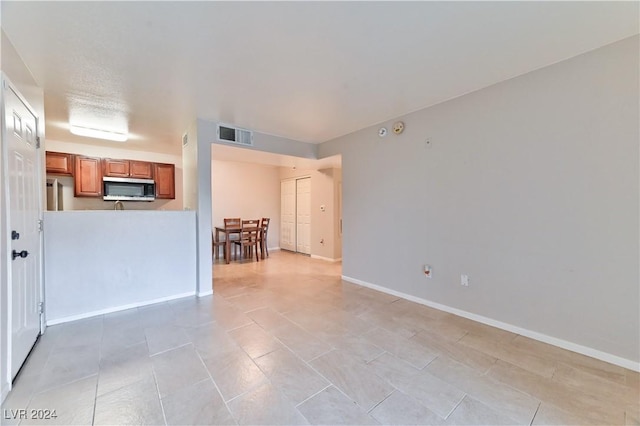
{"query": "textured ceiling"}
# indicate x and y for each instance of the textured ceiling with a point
(309, 71)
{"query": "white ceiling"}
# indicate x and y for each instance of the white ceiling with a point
(309, 71)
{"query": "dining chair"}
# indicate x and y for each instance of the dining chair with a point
(248, 238)
(233, 222)
(264, 224)
(217, 244)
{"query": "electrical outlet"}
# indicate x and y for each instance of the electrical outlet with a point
(427, 271)
(464, 280)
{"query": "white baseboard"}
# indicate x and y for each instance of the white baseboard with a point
(117, 308)
(273, 248)
(564, 344)
(328, 259)
(205, 293)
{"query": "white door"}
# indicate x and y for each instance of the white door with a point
(23, 199)
(288, 215)
(303, 215)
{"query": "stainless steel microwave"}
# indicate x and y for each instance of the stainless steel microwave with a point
(128, 189)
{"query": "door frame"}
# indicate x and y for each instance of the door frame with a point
(6, 296)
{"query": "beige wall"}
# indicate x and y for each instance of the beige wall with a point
(323, 224)
(248, 191)
(118, 151)
(530, 186)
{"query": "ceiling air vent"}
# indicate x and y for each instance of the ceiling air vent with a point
(234, 135)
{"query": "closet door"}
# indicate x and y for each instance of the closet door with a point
(288, 215)
(303, 215)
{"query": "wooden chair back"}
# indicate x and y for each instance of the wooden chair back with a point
(251, 223)
(249, 236)
(264, 224)
(232, 222)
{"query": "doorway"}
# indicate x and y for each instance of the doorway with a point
(22, 210)
(295, 211)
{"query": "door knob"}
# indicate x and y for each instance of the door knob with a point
(23, 254)
(15, 235)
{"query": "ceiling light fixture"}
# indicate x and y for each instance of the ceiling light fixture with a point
(98, 133)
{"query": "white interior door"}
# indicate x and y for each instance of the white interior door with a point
(303, 215)
(288, 215)
(23, 198)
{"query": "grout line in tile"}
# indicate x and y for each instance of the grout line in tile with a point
(383, 400)
(462, 337)
(170, 349)
(215, 385)
(251, 389)
(95, 399)
(534, 414)
(457, 405)
(322, 354)
(59, 385)
(379, 356)
(317, 393)
(155, 381)
(236, 328)
(437, 355)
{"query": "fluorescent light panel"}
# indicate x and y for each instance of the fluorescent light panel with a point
(99, 134)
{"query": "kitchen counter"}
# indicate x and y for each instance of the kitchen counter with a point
(97, 262)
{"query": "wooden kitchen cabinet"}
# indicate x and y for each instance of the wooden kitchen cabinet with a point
(165, 177)
(87, 177)
(115, 168)
(140, 169)
(127, 168)
(59, 163)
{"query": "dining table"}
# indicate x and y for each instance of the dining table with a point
(236, 230)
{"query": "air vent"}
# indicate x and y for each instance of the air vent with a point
(185, 139)
(234, 135)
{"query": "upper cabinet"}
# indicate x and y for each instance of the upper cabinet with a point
(88, 173)
(140, 169)
(88, 177)
(115, 168)
(127, 168)
(59, 163)
(165, 176)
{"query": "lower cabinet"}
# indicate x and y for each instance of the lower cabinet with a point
(165, 177)
(87, 177)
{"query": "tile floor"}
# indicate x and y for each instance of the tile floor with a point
(286, 341)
